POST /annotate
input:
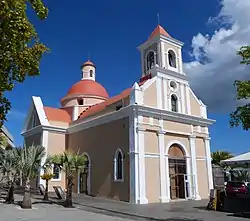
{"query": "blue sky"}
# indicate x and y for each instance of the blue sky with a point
(110, 31)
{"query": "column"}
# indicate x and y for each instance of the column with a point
(188, 99)
(165, 94)
(209, 163)
(134, 159)
(183, 99)
(180, 61)
(142, 177)
(159, 92)
(44, 143)
(194, 166)
(164, 196)
(163, 55)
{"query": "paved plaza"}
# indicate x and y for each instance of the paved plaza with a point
(88, 209)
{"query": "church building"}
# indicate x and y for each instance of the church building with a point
(148, 144)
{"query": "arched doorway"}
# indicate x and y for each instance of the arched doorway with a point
(84, 178)
(177, 172)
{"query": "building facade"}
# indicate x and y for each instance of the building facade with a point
(148, 144)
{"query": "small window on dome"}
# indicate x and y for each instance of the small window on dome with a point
(80, 101)
(91, 73)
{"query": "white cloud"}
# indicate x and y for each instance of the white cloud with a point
(216, 65)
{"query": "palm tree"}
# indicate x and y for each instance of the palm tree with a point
(30, 161)
(9, 169)
(218, 156)
(71, 163)
(240, 175)
(47, 176)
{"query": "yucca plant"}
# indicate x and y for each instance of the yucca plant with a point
(47, 177)
(9, 169)
(30, 161)
(71, 163)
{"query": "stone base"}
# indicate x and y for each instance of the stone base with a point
(164, 200)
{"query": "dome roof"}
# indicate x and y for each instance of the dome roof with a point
(88, 87)
(88, 63)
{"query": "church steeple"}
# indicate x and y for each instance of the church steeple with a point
(161, 52)
(88, 70)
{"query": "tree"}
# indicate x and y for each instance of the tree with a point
(3, 141)
(47, 176)
(30, 159)
(240, 175)
(241, 116)
(71, 163)
(21, 50)
(218, 156)
(9, 168)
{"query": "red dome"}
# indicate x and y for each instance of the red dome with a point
(88, 87)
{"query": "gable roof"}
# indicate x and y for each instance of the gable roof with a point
(56, 114)
(101, 106)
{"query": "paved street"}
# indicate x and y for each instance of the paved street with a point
(88, 209)
(46, 212)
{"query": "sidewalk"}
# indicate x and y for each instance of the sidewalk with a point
(182, 210)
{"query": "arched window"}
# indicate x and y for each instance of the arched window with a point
(118, 166)
(91, 73)
(80, 101)
(172, 59)
(174, 103)
(150, 60)
(56, 172)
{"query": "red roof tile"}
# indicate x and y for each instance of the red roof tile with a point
(101, 106)
(56, 114)
(159, 30)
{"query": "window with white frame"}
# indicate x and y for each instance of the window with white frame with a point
(57, 172)
(174, 103)
(118, 166)
(172, 58)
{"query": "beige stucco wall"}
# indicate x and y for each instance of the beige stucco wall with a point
(195, 106)
(152, 178)
(200, 147)
(87, 100)
(150, 142)
(176, 127)
(59, 123)
(101, 143)
(56, 145)
(150, 95)
(202, 178)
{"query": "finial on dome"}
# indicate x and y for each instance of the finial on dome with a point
(88, 63)
(88, 70)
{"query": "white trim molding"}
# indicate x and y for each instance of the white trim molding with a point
(209, 163)
(142, 174)
(194, 166)
(164, 191)
(44, 143)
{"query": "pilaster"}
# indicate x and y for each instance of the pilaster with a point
(164, 190)
(188, 99)
(209, 163)
(44, 143)
(142, 177)
(183, 99)
(194, 166)
(159, 92)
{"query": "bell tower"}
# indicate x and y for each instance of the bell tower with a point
(161, 51)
